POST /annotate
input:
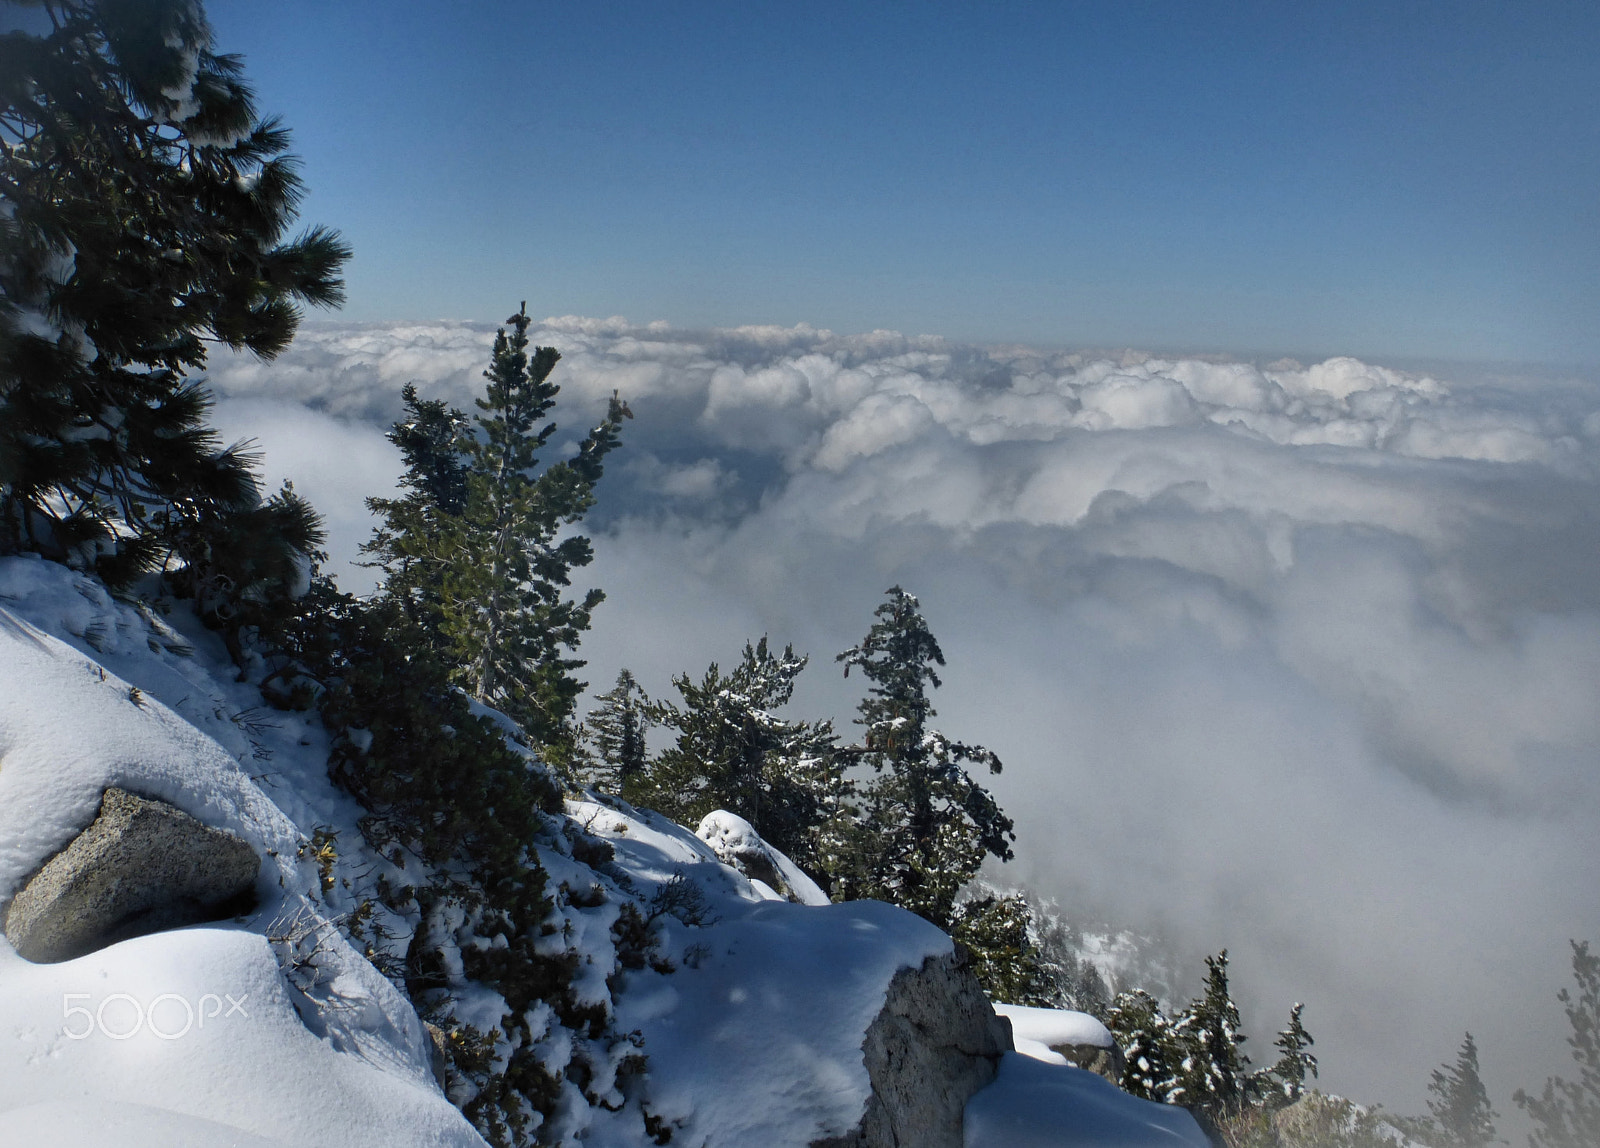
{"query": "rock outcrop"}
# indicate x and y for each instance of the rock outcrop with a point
(1098, 1059)
(141, 867)
(1077, 1037)
(935, 1043)
(736, 843)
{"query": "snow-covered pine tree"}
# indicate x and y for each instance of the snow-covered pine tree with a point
(143, 208)
(734, 752)
(1285, 1081)
(1155, 1051)
(506, 559)
(925, 824)
(1458, 1104)
(1567, 1113)
(1212, 1073)
(615, 731)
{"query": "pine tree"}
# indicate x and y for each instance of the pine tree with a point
(1155, 1051)
(1459, 1110)
(616, 729)
(1212, 1074)
(1567, 1113)
(407, 543)
(143, 206)
(478, 548)
(998, 932)
(1285, 1081)
(925, 824)
(734, 752)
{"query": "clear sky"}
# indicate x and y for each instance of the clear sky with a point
(1393, 178)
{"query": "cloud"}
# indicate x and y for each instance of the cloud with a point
(1296, 659)
(335, 463)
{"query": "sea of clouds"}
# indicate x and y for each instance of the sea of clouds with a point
(1300, 660)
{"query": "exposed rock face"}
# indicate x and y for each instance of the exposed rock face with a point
(936, 1042)
(141, 867)
(438, 1055)
(1102, 1061)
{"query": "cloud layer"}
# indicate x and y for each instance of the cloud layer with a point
(1301, 660)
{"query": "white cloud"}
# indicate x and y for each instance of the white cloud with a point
(1294, 659)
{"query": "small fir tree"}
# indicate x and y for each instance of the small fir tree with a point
(1460, 1115)
(478, 549)
(998, 933)
(615, 729)
(1213, 1069)
(925, 825)
(1285, 1081)
(503, 608)
(1567, 1113)
(1153, 1047)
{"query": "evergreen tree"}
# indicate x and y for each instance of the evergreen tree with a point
(925, 824)
(1567, 1113)
(616, 729)
(143, 206)
(734, 752)
(406, 545)
(1212, 1073)
(998, 933)
(1285, 1082)
(478, 548)
(503, 607)
(1155, 1051)
(1461, 1116)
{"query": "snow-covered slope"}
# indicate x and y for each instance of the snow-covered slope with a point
(274, 1030)
(164, 1047)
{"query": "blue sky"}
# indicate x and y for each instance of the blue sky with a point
(1393, 179)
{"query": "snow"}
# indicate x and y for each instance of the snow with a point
(1051, 1026)
(1034, 1105)
(259, 1070)
(123, 1125)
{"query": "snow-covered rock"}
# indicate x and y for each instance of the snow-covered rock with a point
(141, 867)
(736, 842)
(1062, 1036)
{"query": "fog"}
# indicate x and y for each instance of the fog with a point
(1297, 659)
